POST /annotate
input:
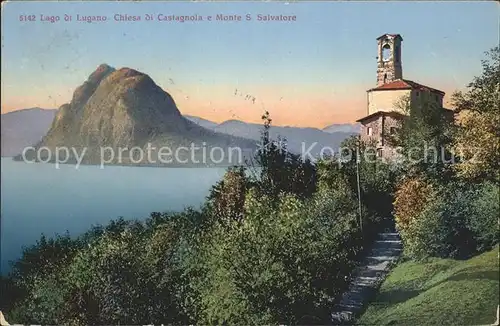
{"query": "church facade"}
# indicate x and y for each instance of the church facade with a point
(383, 110)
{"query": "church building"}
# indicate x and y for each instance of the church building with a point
(383, 114)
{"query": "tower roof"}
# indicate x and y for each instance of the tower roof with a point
(390, 35)
(404, 84)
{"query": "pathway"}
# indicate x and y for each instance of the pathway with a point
(368, 277)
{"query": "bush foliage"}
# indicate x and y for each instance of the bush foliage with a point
(456, 221)
(411, 198)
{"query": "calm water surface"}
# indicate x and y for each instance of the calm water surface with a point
(38, 198)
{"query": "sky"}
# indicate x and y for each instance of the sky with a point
(311, 72)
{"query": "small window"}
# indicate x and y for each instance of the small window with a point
(369, 131)
(379, 152)
(417, 93)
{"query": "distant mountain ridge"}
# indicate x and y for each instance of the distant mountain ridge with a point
(114, 111)
(343, 127)
(29, 119)
(299, 140)
(24, 128)
(200, 121)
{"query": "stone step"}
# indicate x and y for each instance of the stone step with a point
(386, 252)
(386, 234)
(382, 258)
(361, 290)
(380, 265)
(350, 307)
(388, 241)
(388, 238)
(366, 283)
(351, 303)
(367, 279)
(342, 318)
(352, 296)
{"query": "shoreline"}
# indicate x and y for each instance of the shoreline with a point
(146, 165)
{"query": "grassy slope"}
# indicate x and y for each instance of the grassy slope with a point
(438, 292)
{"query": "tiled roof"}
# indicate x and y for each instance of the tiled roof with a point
(405, 84)
(390, 35)
(378, 113)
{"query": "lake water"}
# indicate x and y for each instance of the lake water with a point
(38, 198)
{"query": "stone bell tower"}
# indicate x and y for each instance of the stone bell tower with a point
(389, 66)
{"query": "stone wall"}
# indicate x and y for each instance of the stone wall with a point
(388, 152)
(381, 127)
(376, 124)
(427, 96)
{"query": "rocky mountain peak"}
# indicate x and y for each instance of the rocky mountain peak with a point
(102, 71)
(84, 91)
(125, 108)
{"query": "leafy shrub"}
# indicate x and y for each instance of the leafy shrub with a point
(281, 171)
(42, 304)
(440, 229)
(377, 181)
(484, 218)
(33, 286)
(458, 221)
(411, 197)
(477, 134)
(227, 197)
(378, 187)
(127, 272)
(43, 258)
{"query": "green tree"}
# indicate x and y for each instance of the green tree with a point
(423, 138)
(227, 197)
(280, 170)
(440, 228)
(376, 180)
(477, 134)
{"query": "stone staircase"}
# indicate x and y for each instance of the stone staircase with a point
(368, 277)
